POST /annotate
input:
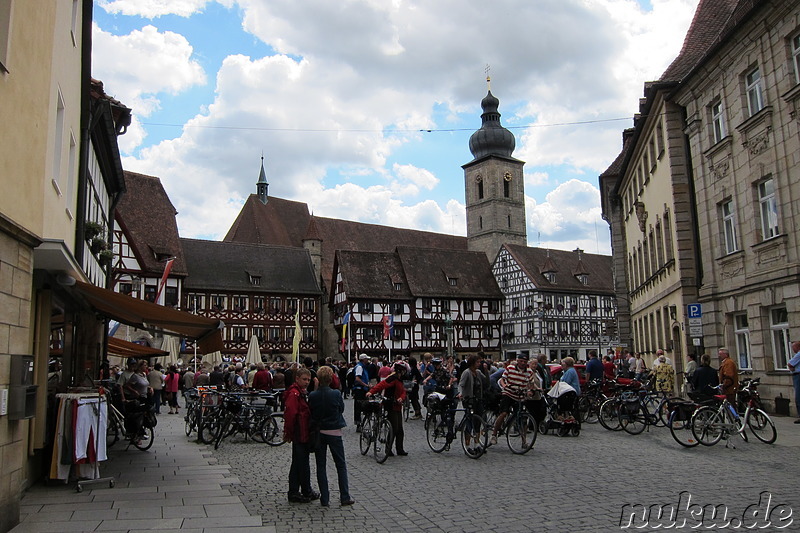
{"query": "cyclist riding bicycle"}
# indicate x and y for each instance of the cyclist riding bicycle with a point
(517, 383)
(394, 394)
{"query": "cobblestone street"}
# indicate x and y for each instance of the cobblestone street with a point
(564, 483)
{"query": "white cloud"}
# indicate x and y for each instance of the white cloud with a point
(570, 217)
(153, 8)
(137, 67)
(346, 72)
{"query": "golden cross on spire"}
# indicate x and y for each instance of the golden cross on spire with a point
(488, 79)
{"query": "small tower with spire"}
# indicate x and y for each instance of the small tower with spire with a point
(494, 185)
(262, 187)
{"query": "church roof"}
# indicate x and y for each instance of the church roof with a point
(147, 216)
(285, 222)
(597, 267)
(492, 138)
(232, 266)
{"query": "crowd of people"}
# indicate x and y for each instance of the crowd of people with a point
(313, 394)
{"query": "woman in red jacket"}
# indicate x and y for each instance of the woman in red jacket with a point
(394, 393)
(296, 418)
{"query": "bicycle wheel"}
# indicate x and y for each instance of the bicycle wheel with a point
(365, 437)
(383, 438)
(681, 429)
(707, 426)
(112, 432)
(145, 441)
(582, 408)
(272, 432)
(521, 433)
(633, 423)
(662, 412)
(189, 425)
(208, 430)
(472, 436)
(608, 415)
(436, 432)
(227, 428)
(592, 414)
(762, 427)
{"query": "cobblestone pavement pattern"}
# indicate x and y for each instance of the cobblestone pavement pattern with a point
(563, 484)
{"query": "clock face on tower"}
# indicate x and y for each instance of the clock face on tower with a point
(507, 176)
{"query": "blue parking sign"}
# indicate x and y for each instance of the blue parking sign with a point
(694, 310)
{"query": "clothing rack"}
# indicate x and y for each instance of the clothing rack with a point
(98, 401)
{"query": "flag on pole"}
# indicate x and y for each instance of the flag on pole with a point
(296, 341)
(388, 326)
(167, 269)
(345, 322)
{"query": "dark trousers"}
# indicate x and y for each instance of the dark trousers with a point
(336, 445)
(396, 420)
(300, 471)
(359, 395)
(414, 393)
(157, 400)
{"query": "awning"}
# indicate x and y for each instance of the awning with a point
(125, 349)
(146, 315)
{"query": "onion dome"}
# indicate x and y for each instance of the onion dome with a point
(492, 138)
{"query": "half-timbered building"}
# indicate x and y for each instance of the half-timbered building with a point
(556, 302)
(145, 245)
(255, 290)
(438, 301)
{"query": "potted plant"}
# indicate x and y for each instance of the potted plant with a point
(98, 245)
(92, 229)
(105, 256)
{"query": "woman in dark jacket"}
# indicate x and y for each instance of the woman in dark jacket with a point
(327, 407)
(296, 418)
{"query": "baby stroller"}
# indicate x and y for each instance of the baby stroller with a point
(561, 416)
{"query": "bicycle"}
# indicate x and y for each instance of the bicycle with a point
(588, 405)
(441, 429)
(636, 415)
(376, 431)
(520, 428)
(711, 424)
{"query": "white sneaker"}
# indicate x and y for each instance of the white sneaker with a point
(493, 440)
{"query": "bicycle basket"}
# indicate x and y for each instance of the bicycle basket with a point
(630, 407)
(150, 420)
(371, 407)
(233, 404)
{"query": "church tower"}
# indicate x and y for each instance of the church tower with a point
(262, 187)
(494, 186)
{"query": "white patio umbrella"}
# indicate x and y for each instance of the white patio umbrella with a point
(212, 359)
(173, 346)
(253, 352)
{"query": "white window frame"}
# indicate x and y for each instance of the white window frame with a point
(768, 209)
(728, 212)
(719, 127)
(755, 94)
(741, 331)
(796, 57)
(779, 329)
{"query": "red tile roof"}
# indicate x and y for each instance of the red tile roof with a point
(713, 22)
(148, 217)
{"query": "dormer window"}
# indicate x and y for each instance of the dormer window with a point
(255, 280)
(398, 286)
(550, 276)
(583, 278)
(452, 281)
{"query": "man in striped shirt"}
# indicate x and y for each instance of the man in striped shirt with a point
(516, 383)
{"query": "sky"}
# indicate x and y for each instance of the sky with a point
(363, 109)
